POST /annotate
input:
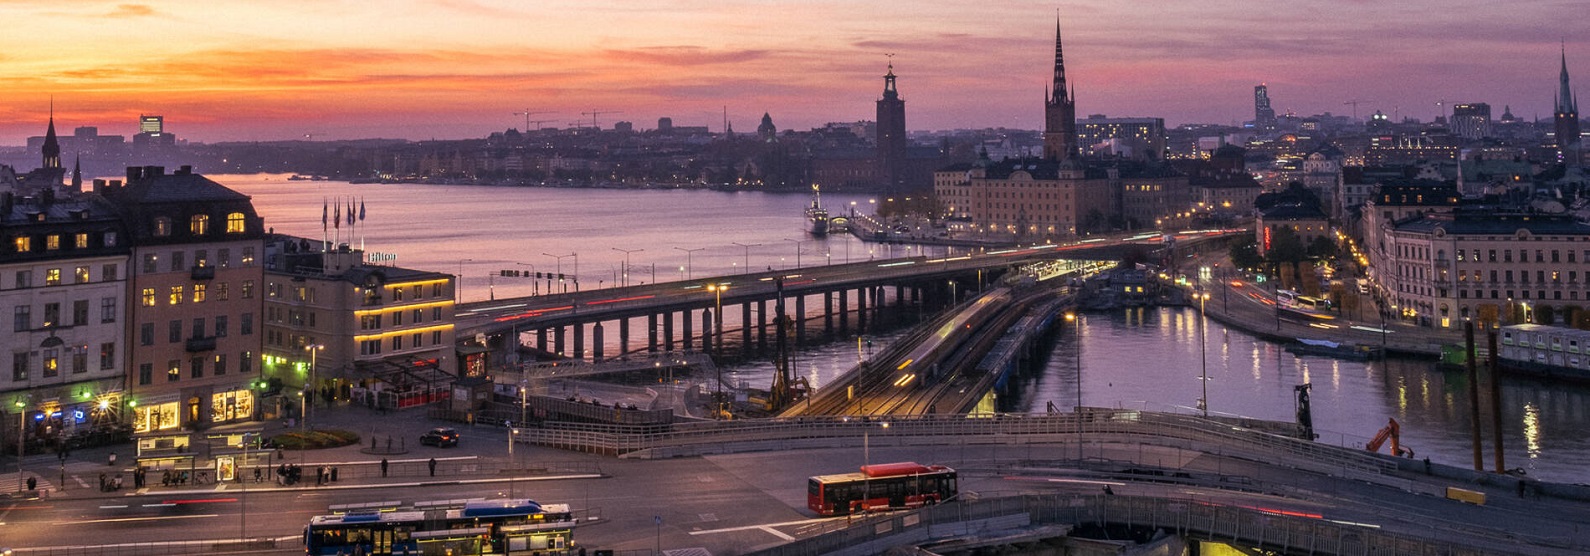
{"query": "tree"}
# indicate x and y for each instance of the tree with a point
(1285, 246)
(1322, 248)
(1244, 252)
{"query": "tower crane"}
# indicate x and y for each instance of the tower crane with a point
(594, 113)
(1355, 102)
(537, 123)
(527, 113)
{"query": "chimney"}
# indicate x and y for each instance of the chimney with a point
(185, 170)
(99, 186)
(134, 173)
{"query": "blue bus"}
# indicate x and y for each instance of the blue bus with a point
(477, 527)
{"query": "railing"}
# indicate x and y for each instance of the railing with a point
(201, 344)
(202, 273)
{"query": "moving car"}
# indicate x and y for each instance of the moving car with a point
(441, 437)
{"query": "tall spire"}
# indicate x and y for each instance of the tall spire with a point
(52, 147)
(1566, 101)
(1059, 65)
(77, 174)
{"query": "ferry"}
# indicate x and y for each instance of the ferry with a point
(816, 215)
(1549, 351)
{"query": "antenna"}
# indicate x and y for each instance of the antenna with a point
(1355, 102)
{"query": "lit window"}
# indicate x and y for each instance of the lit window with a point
(149, 297)
(24, 244)
(162, 226)
(52, 277)
(80, 241)
(52, 242)
(198, 293)
(234, 223)
(199, 224)
(82, 275)
(176, 295)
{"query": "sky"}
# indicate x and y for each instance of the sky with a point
(246, 70)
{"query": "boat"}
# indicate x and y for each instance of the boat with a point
(1545, 351)
(816, 215)
(1337, 350)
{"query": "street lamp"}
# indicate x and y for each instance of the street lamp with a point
(22, 428)
(747, 247)
(797, 251)
(535, 285)
(458, 289)
(626, 253)
(560, 270)
(717, 317)
(1203, 358)
(866, 460)
(690, 272)
(1076, 327)
(309, 393)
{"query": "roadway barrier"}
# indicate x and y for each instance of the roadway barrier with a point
(1112, 425)
(1192, 519)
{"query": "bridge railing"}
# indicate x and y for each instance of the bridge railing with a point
(1092, 425)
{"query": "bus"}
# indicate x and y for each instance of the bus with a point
(476, 527)
(879, 487)
(1301, 303)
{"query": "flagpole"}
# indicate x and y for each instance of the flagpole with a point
(325, 234)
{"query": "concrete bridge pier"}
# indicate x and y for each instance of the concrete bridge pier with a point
(707, 331)
(800, 321)
(861, 309)
(579, 341)
(844, 312)
(668, 331)
(596, 341)
(828, 313)
(761, 325)
(651, 333)
(745, 327)
(688, 337)
(557, 339)
(623, 335)
(541, 339)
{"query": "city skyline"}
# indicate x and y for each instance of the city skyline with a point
(450, 69)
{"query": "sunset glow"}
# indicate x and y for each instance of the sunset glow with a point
(422, 69)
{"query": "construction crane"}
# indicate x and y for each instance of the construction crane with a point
(1355, 102)
(594, 113)
(527, 113)
(538, 123)
(1393, 432)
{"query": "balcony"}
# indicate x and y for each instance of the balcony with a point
(201, 344)
(202, 273)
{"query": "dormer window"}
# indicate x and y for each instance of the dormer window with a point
(235, 223)
(162, 226)
(199, 224)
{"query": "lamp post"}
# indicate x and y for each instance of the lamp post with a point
(866, 460)
(22, 429)
(560, 270)
(747, 247)
(717, 317)
(797, 251)
(1203, 358)
(626, 252)
(690, 272)
(458, 289)
(535, 285)
(309, 384)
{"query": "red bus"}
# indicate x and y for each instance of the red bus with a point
(882, 486)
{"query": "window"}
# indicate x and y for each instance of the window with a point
(52, 315)
(150, 263)
(179, 261)
(397, 318)
(198, 293)
(220, 364)
(196, 367)
(107, 273)
(22, 318)
(149, 297)
(146, 334)
(51, 360)
(80, 312)
(220, 291)
(248, 289)
(162, 226)
(248, 256)
(176, 295)
(220, 326)
(173, 370)
(110, 239)
(80, 241)
(24, 244)
(397, 294)
(235, 223)
(24, 279)
(414, 341)
(436, 338)
(199, 224)
(436, 313)
(107, 356)
(19, 366)
(397, 343)
(81, 275)
(107, 309)
(419, 315)
(246, 326)
(146, 374)
(79, 359)
(245, 363)
(52, 242)
(198, 328)
(201, 257)
(174, 331)
(52, 277)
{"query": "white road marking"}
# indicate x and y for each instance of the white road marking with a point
(125, 519)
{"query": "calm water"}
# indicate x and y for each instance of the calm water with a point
(1134, 359)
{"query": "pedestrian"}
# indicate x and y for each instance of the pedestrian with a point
(1108, 491)
(113, 459)
(432, 464)
(115, 483)
(320, 475)
(103, 480)
(383, 468)
(257, 475)
(165, 478)
(1427, 469)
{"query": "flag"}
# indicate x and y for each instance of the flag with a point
(361, 209)
(337, 222)
(325, 217)
(350, 213)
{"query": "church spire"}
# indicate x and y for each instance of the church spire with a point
(1060, 109)
(1059, 66)
(1566, 101)
(77, 173)
(52, 147)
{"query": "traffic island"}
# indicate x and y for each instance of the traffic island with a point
(315, 439)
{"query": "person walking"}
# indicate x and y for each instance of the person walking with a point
(383, 468)
(320, 475)
(432, 465)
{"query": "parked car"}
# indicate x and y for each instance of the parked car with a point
(440, 437)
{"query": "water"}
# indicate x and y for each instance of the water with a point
(1147, 358)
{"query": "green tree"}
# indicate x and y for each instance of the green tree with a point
(1244, 252)
(1285, 246)
(1322, 248)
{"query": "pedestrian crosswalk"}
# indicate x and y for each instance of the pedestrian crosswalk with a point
(11, 483)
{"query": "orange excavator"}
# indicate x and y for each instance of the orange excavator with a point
(1391, 431)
